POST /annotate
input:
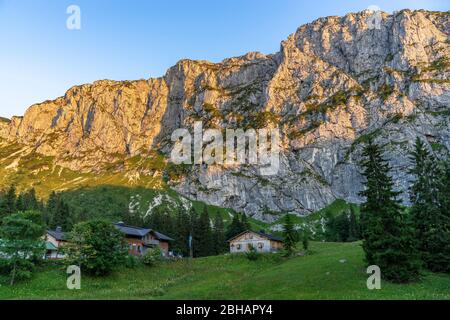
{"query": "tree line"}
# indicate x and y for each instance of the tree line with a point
(208, 235)
(400, 241)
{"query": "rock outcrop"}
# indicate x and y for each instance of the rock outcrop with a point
(334, 83)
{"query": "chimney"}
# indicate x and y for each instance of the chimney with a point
(58, 229)
(120, 223)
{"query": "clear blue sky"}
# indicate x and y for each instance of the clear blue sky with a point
(133, 39)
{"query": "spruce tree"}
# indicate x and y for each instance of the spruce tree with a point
(236, 227)
(342, 227)
(388, 242)
(203, 236)
(429, 216)
(8, 205)
(183, 230)
(220, 243)
(245, 224)
(61, 216)
(193, 223)
(330, 228)
(20, 203)
(353, 232)
(290, 235)
(30, 201)
(50, 208)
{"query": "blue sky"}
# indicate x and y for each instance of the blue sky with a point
(134, 39)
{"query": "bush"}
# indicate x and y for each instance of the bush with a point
(21, 235)
(96, 246)
(305, 241)
(252, 254)
(131, 262)
(152, 256)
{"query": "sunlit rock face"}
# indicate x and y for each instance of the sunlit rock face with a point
(335, 82)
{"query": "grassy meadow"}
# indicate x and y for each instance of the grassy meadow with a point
(330, 271)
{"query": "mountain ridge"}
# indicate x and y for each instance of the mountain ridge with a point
(334, 82)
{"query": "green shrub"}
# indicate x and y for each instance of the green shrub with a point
(152, 256)
(131, 262)
(252, 254)
(96, 246)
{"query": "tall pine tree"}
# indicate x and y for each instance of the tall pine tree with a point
(236, 227)
(388, 241)
(203, 245)
(61, 216)
(8, 204)
(183, 230)
(290, 235)
(220, 243)
(429, 215)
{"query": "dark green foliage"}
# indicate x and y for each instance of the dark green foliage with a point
(105, 202)
(237, 226)
(305, 241)
(28, 201)
(96, 246)
(290, 235)
(354, 228)
(344, 227)
(183, 230)
(252, 254)
(244, 222)
(219, 241)
(162, 221)
(388, 240)
(60, 217)
(11, 203)
(21, 242)
(203, 245)
(8, 202)
(430, 213)
(152, 256)
(131, 261)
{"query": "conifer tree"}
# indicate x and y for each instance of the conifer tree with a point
(30, 201)
(220, 244)
(61, 216)
(20, 203)
(203, 245)
(290, 235)
(50, 208)
(388, 242)
(245, 223)
(236, 227)
(8, 204)
(429, 216)
(353, 232)
(183, 230)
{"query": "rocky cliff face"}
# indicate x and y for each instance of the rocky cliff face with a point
(334, 83)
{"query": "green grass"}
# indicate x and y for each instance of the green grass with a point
(319, 275)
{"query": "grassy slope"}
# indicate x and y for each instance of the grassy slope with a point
(317, 276)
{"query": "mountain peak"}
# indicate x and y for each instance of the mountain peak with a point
(335, 82)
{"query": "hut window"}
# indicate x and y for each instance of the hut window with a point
(260, 245)
(238, 247)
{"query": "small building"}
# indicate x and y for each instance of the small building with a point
(140, 239)
(260, 240)
(54, 240)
